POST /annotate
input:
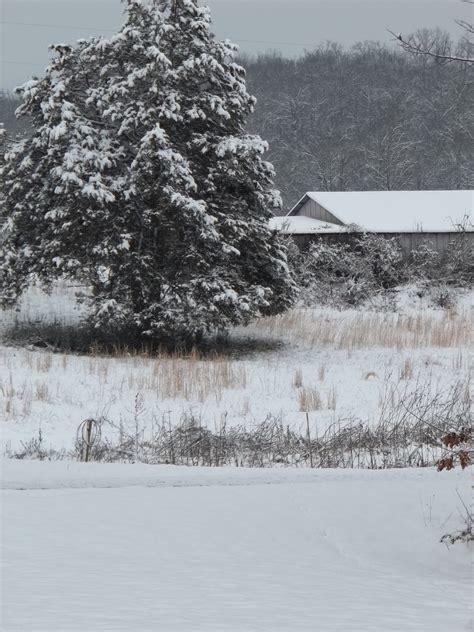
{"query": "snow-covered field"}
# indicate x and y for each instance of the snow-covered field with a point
(90, 547)
(340, 366)
(135, 547)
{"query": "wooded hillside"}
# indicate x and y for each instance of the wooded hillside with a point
(367, 118)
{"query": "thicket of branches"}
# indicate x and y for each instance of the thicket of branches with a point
(367, 265)
(408, 434)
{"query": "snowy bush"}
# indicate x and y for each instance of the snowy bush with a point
(454, 267)
(424, 261)
(384, 258)
(348, 273)
(368, 266)
(457, 266)
(140, 181)
(442, 296)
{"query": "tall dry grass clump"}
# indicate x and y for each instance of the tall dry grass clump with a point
(175, 376)
(298, 378)
(195, 378)
(406, 372)
(309, 399)
(357, 330)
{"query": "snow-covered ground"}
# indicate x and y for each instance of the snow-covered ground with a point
(350, 364)
(140, 548)
(111, 547)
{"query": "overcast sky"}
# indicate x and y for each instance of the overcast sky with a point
(290, 26)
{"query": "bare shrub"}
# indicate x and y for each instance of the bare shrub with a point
(466, 534)
(443, 296)
(407, 434)
(457, 266)
(35, 449)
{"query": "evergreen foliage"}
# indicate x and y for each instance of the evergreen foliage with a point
(140, 179)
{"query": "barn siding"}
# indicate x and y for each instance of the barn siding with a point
(312, 209)
(407, 241)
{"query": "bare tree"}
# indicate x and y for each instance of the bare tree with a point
(370, 117)
(434, 47)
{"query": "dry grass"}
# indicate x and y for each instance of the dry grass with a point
(42, 392)
(458, 362)
(196, 379)
(406, 372)
(246, 407)
(189, 377)
(104, 380)
(332, 399)
(309, 399)
(358, 330)
(256, 374)
(33, 383)
(298, 378)
(44, 362)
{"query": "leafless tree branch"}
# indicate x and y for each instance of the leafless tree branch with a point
(411, 45)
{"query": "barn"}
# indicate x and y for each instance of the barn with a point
(412, 217)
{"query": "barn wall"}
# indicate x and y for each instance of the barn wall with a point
(438, 241)
(407, 241)
(312, 209)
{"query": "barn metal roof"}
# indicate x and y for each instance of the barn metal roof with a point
(397, 211)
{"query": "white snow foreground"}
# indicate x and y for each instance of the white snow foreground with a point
(137, 548)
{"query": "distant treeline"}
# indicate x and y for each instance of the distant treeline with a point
(370, 117)
(367, 118)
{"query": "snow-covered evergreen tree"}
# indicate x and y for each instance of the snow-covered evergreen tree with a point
(140, 180)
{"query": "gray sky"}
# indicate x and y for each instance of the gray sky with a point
(290, 26)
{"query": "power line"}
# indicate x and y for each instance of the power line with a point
(92, 28)
(269, 42)
(22, 63)
(87, 28)
(58, 26)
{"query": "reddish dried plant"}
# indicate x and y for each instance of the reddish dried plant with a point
(461, 440)
(453, 439)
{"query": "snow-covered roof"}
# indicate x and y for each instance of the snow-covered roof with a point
(302, 225)
(397, 211)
